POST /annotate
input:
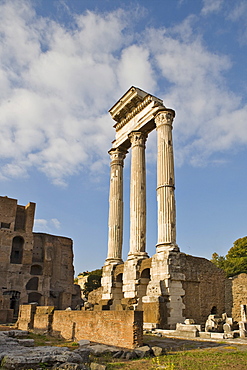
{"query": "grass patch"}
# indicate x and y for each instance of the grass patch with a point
(188, 360)
(47, 340)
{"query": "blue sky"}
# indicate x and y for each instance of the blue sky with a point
(64, 63)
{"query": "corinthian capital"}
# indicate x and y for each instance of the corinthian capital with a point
(137, 138)
(164, 118)
(117, 155)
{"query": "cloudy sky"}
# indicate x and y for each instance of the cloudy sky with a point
(64, 63)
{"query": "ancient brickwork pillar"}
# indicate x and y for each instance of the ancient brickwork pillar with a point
(115, 221)
(137, 196)
(165, 182)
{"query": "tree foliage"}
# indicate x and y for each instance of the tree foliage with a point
(235, 262)
(93, 281)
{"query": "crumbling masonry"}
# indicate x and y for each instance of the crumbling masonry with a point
(34, 267)
(170, 286)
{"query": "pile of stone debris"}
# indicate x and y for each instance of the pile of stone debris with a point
(16, 352)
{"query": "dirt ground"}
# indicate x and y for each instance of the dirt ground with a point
(184, 344)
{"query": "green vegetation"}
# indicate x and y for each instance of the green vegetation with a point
(188, 360)
(223, 357)
(93, 281)
(47, 340)
(235, 262)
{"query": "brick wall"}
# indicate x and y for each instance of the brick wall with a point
(117, 328)
(239, 294)
(204, 287)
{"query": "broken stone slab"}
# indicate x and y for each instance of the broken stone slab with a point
(15, 333)
(100, 349)
(130, 355)
(205, 334)
(188, 330)
(83, 342)
(118, 354)
(23, 357)
(217, 335)
(143, 351)
(157, 351)
(84, 353)
(26, 342)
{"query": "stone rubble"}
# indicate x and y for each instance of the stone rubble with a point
(17, 352)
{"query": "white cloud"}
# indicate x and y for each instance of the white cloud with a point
(42, 225)
(207, 113)
(210, 6)
(238, 14)
(56, 223)
(57, 83)
(135, 69)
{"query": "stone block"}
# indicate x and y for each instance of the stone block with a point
(143, 351)
(204, 334)
(217, 335)
(242, 329)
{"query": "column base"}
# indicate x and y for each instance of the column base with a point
(113, 261)
(139, 255)
(164, 247)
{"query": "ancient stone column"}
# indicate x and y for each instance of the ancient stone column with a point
(115, 221)
(137, 196)
(165, 182)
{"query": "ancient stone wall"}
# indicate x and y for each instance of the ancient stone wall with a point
(122, 329)
(34, 267)
(204, 287)
(239, 295)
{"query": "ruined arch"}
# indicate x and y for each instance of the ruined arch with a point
(36, 270)
(33, 284)
(34, 297)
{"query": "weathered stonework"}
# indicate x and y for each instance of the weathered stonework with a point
(239, 296)
(34, 267)
(170, 286)
(122, 329)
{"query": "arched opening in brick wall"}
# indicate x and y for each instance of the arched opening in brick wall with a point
(142, 289)
(33, 284)
(36, 270)
(34, 297)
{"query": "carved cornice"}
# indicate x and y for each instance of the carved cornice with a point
(132, 103)
(134, 112)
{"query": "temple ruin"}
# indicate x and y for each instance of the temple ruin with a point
(171, 286)
(34, 267)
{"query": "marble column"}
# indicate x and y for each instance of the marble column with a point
(165, 182)
(137, 196)
(115, 221)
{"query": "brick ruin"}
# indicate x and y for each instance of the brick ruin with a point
(34, 267)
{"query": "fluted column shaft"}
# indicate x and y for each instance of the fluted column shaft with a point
(137, 196)
(165, 182)
(115, 221)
